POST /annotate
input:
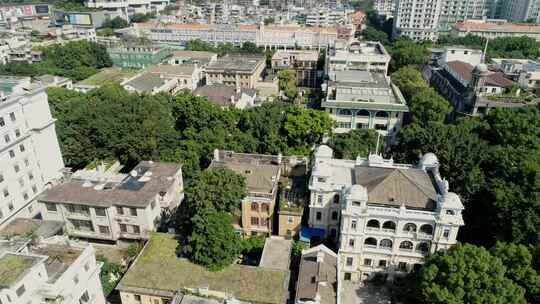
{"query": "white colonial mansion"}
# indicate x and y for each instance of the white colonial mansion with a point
(386, 217)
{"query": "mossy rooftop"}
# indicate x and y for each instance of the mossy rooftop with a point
(13, 267)
(158, 268)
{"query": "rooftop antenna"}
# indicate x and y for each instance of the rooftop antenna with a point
(377, 146)
(485, 51)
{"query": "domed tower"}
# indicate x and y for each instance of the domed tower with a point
(478, 77)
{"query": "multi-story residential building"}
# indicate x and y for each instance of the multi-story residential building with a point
(424, 19)
(513, 68)
(324, 17)
(498, 29)
(182, 33)
(30, 157)
(304, 63)
(100, 203)
(385, 8)
(55, 270)
(296, 37)
(389, 216)
(158, 275)
(138, 56)
(262, 36)
(262, 174)
(164, 78)
(317, 277)
(514, 10)
(530, 81)
(361, 56)
(126, 8)
(364, 100)
(237, 71)
(200, 58)
(475, 90)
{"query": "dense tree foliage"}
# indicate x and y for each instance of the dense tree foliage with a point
(358, 142)
(213, 242)
(373, 34)
(204, 218)
(407, 52)
(287, 84)
(223, 49)
(116, 23)
(76, 60)
(507, 47)
(465, 274)
(140, 17)
(111, 123)
(522, 267)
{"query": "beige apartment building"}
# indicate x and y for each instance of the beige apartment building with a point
(303, 63)
(262, 174)
(104, 204)
(237, 71)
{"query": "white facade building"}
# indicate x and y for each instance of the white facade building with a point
(30, 157)
(54, 271)
(389, 216)
(424, 19)
(106, 205)
(361, 56)
(385, 8)
(128, 8)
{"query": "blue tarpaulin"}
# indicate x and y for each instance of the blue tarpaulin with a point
(307, 233)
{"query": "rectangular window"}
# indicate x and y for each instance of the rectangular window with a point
(136, 229)
(353, 225)
(20, 291)
(104, 230)
(119, 210)
(1, 178)
(51, 207)
(319, 199)
(382, 263)
(22, 148)
(153, 205)
(133, 211)
(265, 208)
(6, 138)
(318, 216)
(76, 279)
(351, 242)
(2, 122)
(137, 298)
(254, 207)
(446, 233)
(12, 116)
(16, 168)
(367, 262)
(100, 211)
(17, 133)
(255, 221)
(290, 220)
(349, 261)
(402, 266)
(347, 276)
(123, 228)
(11, 154)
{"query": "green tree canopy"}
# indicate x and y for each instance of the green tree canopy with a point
(409, 80)
(358, 142)
(287, 84)
(465, 274)
(213, 242)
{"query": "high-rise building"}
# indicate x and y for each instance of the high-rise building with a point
(425, 19)
(515, 10)
(30, 157)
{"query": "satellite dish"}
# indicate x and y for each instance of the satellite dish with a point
(133, 173)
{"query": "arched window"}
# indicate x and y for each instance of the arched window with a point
(389, 225)
(370, 242)
(427, 229)
(409, 227)
(423, 247)
(381, 114)
(406, 245)
(386, 243)
(334, 215)
(336, 199)
(363, 113)
(346, 112)
(373, 224)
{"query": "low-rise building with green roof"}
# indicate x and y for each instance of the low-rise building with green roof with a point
(158, 275)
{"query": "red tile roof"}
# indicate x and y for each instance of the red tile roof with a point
(469, 25)
(464, 70)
